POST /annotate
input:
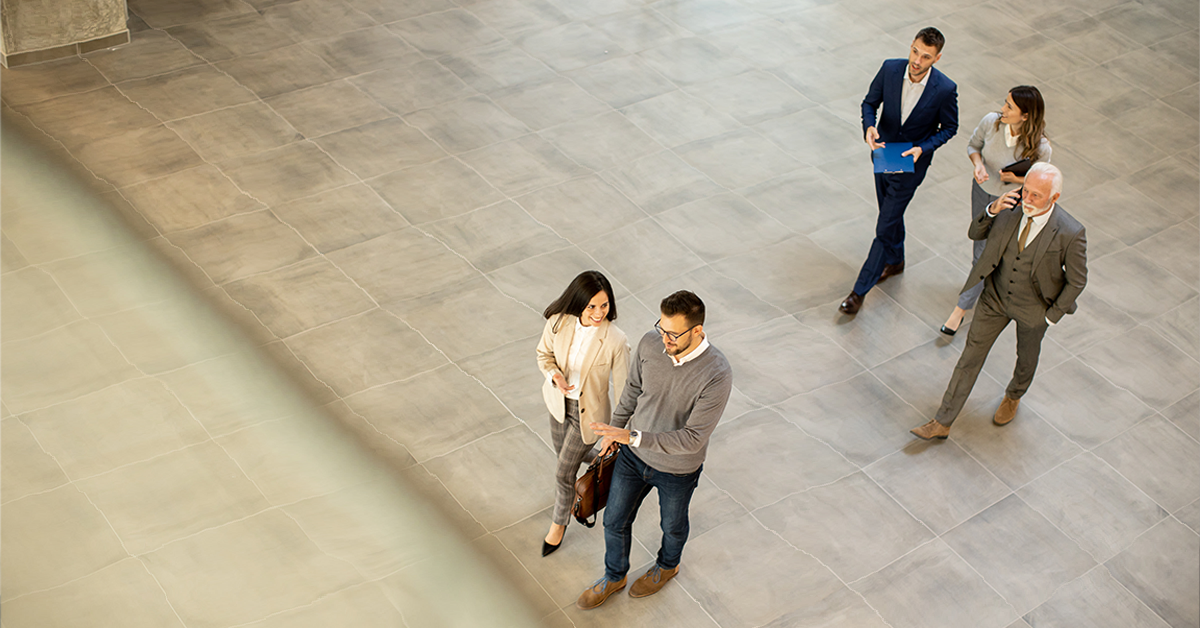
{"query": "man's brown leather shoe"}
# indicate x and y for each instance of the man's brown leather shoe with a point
(851, 305)
(932, 430)
(1007, 411)
(654, 580)
(595, 595)
(891, 270)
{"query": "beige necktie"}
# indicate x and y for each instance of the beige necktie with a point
(1024, 235)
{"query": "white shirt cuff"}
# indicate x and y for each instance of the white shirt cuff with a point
(635, 442)
(1050, 322)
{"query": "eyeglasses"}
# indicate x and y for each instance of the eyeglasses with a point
(672, 335)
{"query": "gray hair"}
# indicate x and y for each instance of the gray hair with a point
(1051, 171)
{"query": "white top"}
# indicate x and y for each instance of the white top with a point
(579, 345)
(910, 93)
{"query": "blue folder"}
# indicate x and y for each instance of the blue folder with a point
(889, 160)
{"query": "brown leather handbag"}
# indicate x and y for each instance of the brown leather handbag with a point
(591, 489)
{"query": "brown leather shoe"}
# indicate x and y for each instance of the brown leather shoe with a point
(852, 304)
(1007, 411)
(891, 270)
(654, 580)
(932, 430)
(595, 595)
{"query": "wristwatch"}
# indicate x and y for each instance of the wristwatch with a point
(633, 436)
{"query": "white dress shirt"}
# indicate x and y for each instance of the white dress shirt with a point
(910, 93)
(579, 346)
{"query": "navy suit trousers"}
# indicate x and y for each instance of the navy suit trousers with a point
(893, 191)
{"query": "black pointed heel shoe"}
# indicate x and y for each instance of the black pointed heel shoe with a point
(948, 331)
(548, 549)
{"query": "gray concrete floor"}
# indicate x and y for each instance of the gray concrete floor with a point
(385, 194)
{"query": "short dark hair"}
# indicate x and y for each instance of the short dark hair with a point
(582, 288)
(931, 36)
(686, 303)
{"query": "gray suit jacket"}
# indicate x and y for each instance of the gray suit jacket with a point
(1059, 260)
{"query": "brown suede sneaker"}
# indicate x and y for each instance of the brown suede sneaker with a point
(595, 595)
(931, 430)
(654, 580)
(1007, 411)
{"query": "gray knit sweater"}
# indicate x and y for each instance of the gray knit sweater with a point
(676, 408)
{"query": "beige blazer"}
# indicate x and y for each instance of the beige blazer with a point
(607, 355)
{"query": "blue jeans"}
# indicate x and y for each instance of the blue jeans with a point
(631, 482)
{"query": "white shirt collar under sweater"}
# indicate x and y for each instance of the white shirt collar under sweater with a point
(691, 356)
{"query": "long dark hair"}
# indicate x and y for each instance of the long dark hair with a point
(1029, 100)
(582, 288)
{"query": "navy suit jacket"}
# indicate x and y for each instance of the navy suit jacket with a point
(933, 121)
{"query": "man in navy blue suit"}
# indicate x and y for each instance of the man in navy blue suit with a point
(920, 105)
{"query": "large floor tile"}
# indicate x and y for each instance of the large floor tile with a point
(1185, 414)
(130, 422)
(59, 536)
(737, 159)
(243, 245)
(933, 587)
(1019, 552)
(852, 526)
(137, 156)
(226, 393)
(886, 331)
(711, 507)
(692, 60)
(493, 476)
(380, 266)
(1097, 599)
(622, 81)
(1084, 406)
(602, 142)
(860, 418)
(463, 411)
(379, 147)
(43, 81)
(322, 221)
(496, 236)
(496, 66)
(1091, 503)
(364, 605)
(641, 254)
(522, 165)
(440, 317)
(581, 209)
(164, 14)
(186, 92)
(409, 88)
(788, 579)
(327, 108)
(1158, 458)
(445, 32)
(77, 119)
(939, 484)
(309, 19)
(751, 97)
(722, 226)
(677, 117)
(62, 364)
(246, 570)
(781, 198)
(466, 124)
(537, 281)
(279, 71)
(798, 133)
(295, 298)
(123, 592)
(728, 305)
(27, 467)
(661, 181)
(365, 351)
(34, 304)
(1018, 452)
(151, 53)
(1152, 570)
(570, 46)
(438, 190)
(920, 377)
(224, 38)
(548, 102)
(761, 458)
(794, 275)
(1181, 327)
(293, 171)
(782, 358)
(189, 198)
(1138, 361)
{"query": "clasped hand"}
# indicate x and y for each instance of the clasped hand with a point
(872, 139)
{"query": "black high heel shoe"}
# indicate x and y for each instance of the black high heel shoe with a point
(948, 331)
(548, 549)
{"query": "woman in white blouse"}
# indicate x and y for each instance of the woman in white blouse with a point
(579, 351)
(1017, 132)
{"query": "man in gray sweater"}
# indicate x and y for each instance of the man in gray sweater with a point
(677, 389)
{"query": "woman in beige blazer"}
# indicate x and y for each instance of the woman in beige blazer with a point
(579, 351)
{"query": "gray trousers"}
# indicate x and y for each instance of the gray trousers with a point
(571, 450)
(979, 202)
(990, 319)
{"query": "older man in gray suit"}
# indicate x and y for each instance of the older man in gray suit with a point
(1033, 266)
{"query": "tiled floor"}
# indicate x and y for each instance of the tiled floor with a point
(387, 193)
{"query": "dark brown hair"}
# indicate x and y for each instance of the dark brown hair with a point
(1029, 100)
(685, 303)
(931, 36)
(582, 288)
